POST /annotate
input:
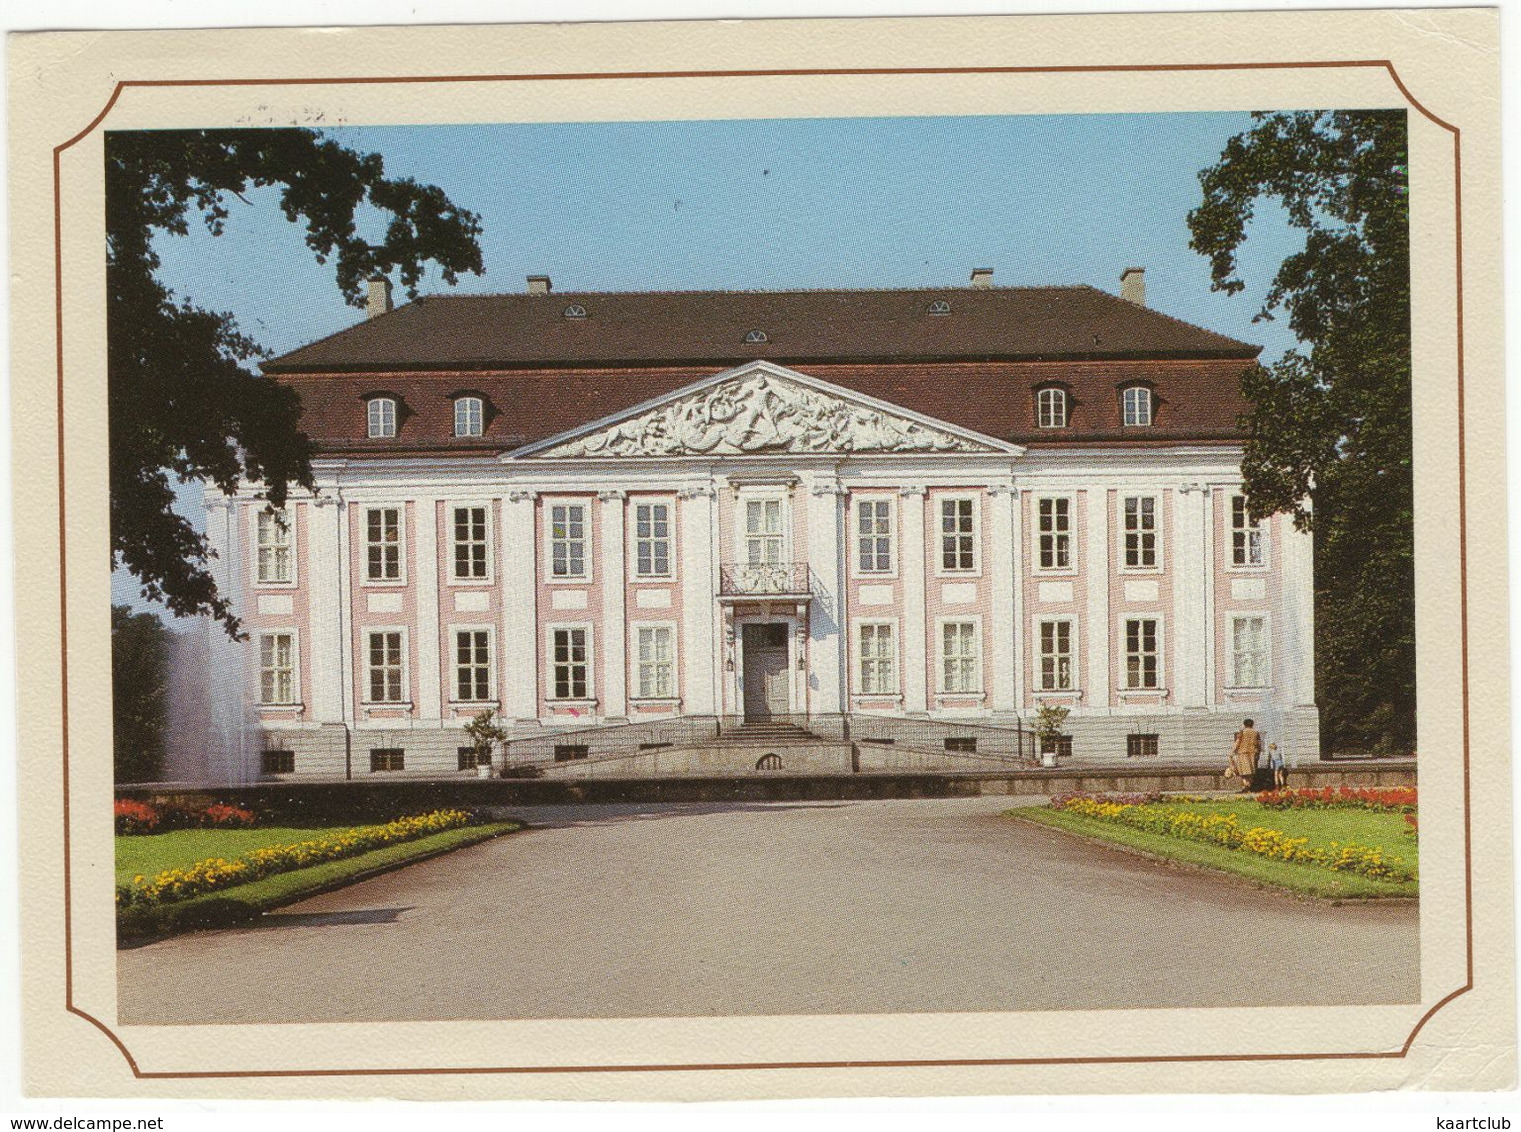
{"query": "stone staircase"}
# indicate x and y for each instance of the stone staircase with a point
(769, 732)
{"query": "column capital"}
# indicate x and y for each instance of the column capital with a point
(522, 496)
(997, 489)
(826, 487)
(910, 490)
(697, 491)
(614, 495)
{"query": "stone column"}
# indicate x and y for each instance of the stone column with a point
(519, 651)
(915, 633)
(826, 654)
(1003, 580)
(698, 578)
(614, 693)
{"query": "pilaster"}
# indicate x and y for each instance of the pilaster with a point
(915, 644)
(1004, 581)
(826, 654)
(1099, 634)
(614, 693)
(324, 635)
(1296, 556)
(430, 707)
(519, 650)
(694, 535)
(1189, 647)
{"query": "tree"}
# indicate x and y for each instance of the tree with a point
(1331, 423)
(485, 733)
(182, 400)
(139, 693)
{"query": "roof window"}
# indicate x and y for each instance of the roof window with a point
(575, 310)
(940, 306)
(755, 337)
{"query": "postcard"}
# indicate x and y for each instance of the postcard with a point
(761, 559)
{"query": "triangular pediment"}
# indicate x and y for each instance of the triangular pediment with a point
(762, 409)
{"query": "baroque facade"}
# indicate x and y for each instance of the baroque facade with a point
(878, 529)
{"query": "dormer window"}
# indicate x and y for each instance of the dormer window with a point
(575, 310)
(382, 418)
(469, 416)
(1051, 408)
(940, 306)
(1137, 405)
(756, 338)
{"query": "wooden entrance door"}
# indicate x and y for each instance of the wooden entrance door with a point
(766, 692)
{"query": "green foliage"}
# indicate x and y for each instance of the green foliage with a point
(1049, 720)
(139, 693)
(1334, 424)
(182, 399)
(485, 733)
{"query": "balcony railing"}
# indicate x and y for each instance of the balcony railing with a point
(763, 579)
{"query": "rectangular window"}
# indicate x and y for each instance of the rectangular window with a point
(567, 540)
(385, 667)
(1249, 652)
(958, 534)
(277, 668)
(277, 762)
(874, 536)
(879, 660)
(1246, 535)
(657, 666)
(959, 657)
(1055, 517)
(1141, 652)
(1141, 746)
(764, 540)
(387, 759)
(569, 752)
(571, 664)
(382, 540)
(1056, 656)
(961, 744)
(1140, 531)
(652, 540)
(472, 551)
(472, 664)
(274, 551)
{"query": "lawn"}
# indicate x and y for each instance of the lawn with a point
(1320, 826)
(247, 901)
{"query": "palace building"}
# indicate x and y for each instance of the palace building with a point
(726, 532)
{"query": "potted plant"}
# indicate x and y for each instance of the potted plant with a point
(1049, 719)
(484, 733)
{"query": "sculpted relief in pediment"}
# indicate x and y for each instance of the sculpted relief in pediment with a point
(757, 414)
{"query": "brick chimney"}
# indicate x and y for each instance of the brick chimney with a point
(982, 277)
(1133, 285)
(379, 299)
(539, 285)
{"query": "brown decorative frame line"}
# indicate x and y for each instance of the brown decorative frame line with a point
(1404, 1049)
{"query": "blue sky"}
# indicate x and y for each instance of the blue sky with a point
(777, 203)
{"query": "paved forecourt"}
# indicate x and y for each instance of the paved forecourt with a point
(776, 908)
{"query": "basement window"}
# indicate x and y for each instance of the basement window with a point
(961, 744)
(384, 759)
(1141, 746)
(940, 306)
(575, 310)
(568, 752)
(278, 762)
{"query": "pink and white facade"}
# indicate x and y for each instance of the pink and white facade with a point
(756, 544)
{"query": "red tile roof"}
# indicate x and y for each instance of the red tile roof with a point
(625, 329)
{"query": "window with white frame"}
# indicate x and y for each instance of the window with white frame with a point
(1140, 531)
(1246, 535)
(382, 540)
(652, 540)
(657, 665)
(958, 535)
(571, 663)
(1137, 402)
(385, 664)
(878, 655)
(1054, 516)
(1249, 652)
(874, 536)
(274, 547)
(469, 416)
(472, 549)
(277, 668)
(1051, 408)
(472, 665)
(959, 656)
(567, 540)
(1141, 652)
(1056, 656)
(764, 538)
(382, 418)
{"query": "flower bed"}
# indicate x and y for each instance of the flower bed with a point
(134, 817)
(217, 873)
(1225, 831)
(1386, 800)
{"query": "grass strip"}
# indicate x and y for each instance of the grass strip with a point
(142, 923)
(1303, 880)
